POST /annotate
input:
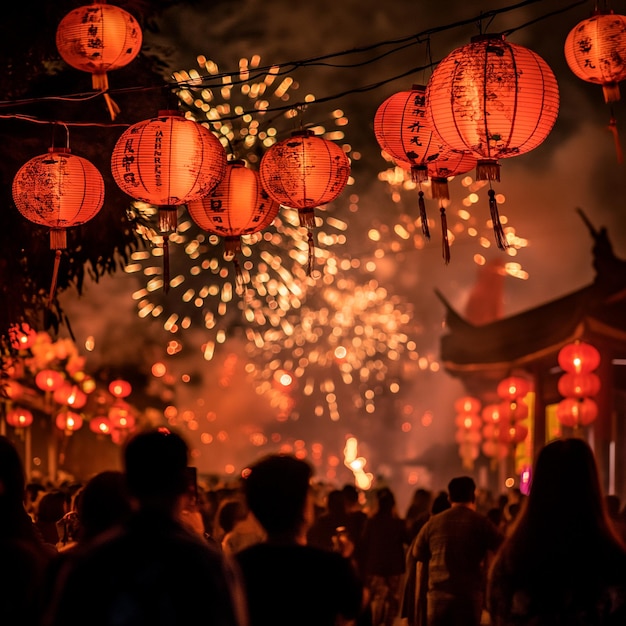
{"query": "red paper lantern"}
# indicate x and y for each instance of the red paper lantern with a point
(579, 358)
(491, 414)
(514, 433)
(467, 421)
(120, 388)
(71, 396)
(492, 99)
(12, 389)
(513, 388)
(19, 418)
(595, 50)
(168, 161)
(576, 412)
(495, 449)
(58, 190)
(99, 38)
(467, 404)
(69, 421)
(304, 172)
(101, 425)
(237, 206)
(49, 380)
(514, 411)
(572, 385)
(121, 416)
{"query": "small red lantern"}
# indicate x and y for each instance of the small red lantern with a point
(576, 412)
(595, 50)
(167, 161)
(513, 388)
(19, 418)
(58, 190)
(70, 395)
(401, 131)
(573, 385)
(69, 421)
(22, 336)
(467, 404)
(101, 425)
(579, 358)
(11, 389)
(304, 172)
(491, 414)
(514, 433)
(237, 206)
(494, 100)
(495, 449)
(121, 416)
(49, 380)
(514, 411)
(99, 38)
(120, 388)
(468, 421)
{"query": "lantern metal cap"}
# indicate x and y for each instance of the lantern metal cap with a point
(302, 133)
(64, 150)
(416, 87)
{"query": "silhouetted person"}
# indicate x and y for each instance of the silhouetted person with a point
(287, 582)
(324, 529)
(385, 538)
(153, 570)
(562, 563)
(24, 557)
(418, 512)
(454, 546)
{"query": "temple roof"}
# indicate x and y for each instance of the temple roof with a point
(596, 310)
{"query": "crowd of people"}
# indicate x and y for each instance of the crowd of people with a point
(148, 546)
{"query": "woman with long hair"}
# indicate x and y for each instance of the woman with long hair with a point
(562, 562)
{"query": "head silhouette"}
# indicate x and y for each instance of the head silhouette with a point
(462, 490)
(155, 463)
(276, 491)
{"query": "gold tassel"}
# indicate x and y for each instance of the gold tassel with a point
(168, 218)
(618, 146)
(488, 170)
(498, 231)
(445, 242)
(422, 207)
(611, 92)
(419, 173)
(307, 218)
(166, 263)
(100, 82)
(440, 188)
(55, 274)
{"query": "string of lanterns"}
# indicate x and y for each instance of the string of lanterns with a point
(578, 384)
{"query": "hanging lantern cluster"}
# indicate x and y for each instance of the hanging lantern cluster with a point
(494, 427)
(595, 51)
(513, 410)
(167, 161)
(492, 99)
(58, 190)
(578, 385)
(304, 172)
(98, 38)
(468, 424)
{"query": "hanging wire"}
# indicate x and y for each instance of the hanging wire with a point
(290, 66)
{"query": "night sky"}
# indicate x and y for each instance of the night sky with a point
(575, 167)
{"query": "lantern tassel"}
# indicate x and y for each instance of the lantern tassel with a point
(168, 218)
(423, 217)
(100, 82)
(311, 259)
(615, 132)
(166, 263)
(55, 274)
(498, 231)
(419, 173)
(445, 242)
(440, 188)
